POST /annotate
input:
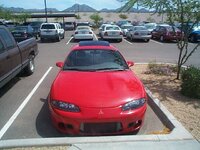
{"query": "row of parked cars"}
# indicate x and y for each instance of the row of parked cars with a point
(162, 32)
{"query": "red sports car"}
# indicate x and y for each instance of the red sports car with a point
(95, 92)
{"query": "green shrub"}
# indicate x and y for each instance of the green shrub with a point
(191, 82)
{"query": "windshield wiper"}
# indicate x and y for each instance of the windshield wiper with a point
(110, 69)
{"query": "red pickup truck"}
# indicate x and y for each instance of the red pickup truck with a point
(15, 57)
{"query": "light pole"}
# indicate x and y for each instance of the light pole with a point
(45, 3)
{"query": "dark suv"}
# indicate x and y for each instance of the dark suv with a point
(167, 33)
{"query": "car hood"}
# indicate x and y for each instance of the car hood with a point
(97, 89)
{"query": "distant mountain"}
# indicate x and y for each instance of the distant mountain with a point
(20, 10)
(74, 8)
(107, 10)
(80, 8)
(142, 10)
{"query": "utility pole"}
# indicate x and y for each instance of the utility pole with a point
(45, 3)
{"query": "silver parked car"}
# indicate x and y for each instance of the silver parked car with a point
(125, 28)
(111, 32)
(83, 33)
(139, 32)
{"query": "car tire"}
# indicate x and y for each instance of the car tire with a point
(58, 39)
(41, 39)
(120, 40)
(192, 39)
(131, 38)
(146, 40)
(30, 68)
(161, 38)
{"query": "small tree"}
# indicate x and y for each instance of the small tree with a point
(183, 11)
(21, 18)
(78, 17)
(5, 14)
(150, 19)
(96, 18)
(123, 16)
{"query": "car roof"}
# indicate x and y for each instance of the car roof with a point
(103, 45)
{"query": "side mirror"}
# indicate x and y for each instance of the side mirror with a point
(59, 64)
(130, 63)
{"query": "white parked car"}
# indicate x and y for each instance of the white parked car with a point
(51, 31)
(101, 28)
(83, 33)
(139, 32)
(111, 32)
(125, 28)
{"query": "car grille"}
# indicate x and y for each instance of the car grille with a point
(100, 128)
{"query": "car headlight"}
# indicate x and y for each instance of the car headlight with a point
(65, 106)
(134, 104)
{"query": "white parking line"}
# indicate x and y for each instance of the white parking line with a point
(69, 40)
(127, 41)
(21, 107)
(156, 42)
(96, 38)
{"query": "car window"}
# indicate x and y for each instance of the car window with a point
(157, 28)
(90, 60)
(6, 37)
(48, 26)
(163, 29)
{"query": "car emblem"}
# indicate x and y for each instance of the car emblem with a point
(101, 112)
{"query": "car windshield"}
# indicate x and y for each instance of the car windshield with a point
(48, 26)
(95, 60)
(126, 27)
(82, 28)
(35, 23)
(150, 26)
(83, 24)
(172, 29)
(69, 23)
(21, 28)
(112, 28)
(140, 28)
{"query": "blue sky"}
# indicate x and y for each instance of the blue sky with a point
(60, 4)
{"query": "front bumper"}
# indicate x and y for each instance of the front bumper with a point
(49, 36)
(96, 121)
(142, 37)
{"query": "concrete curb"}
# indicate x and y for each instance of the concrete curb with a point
(178, 132)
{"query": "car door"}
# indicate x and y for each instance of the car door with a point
(4, 62)
(14, 55)
(155, 32)
(60, 30)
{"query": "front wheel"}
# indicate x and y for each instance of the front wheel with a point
(161, 38)
(30, 68)
(146, 40)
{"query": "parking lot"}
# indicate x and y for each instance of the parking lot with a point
(23, 105)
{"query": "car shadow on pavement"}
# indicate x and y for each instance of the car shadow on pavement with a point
(9, 85)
